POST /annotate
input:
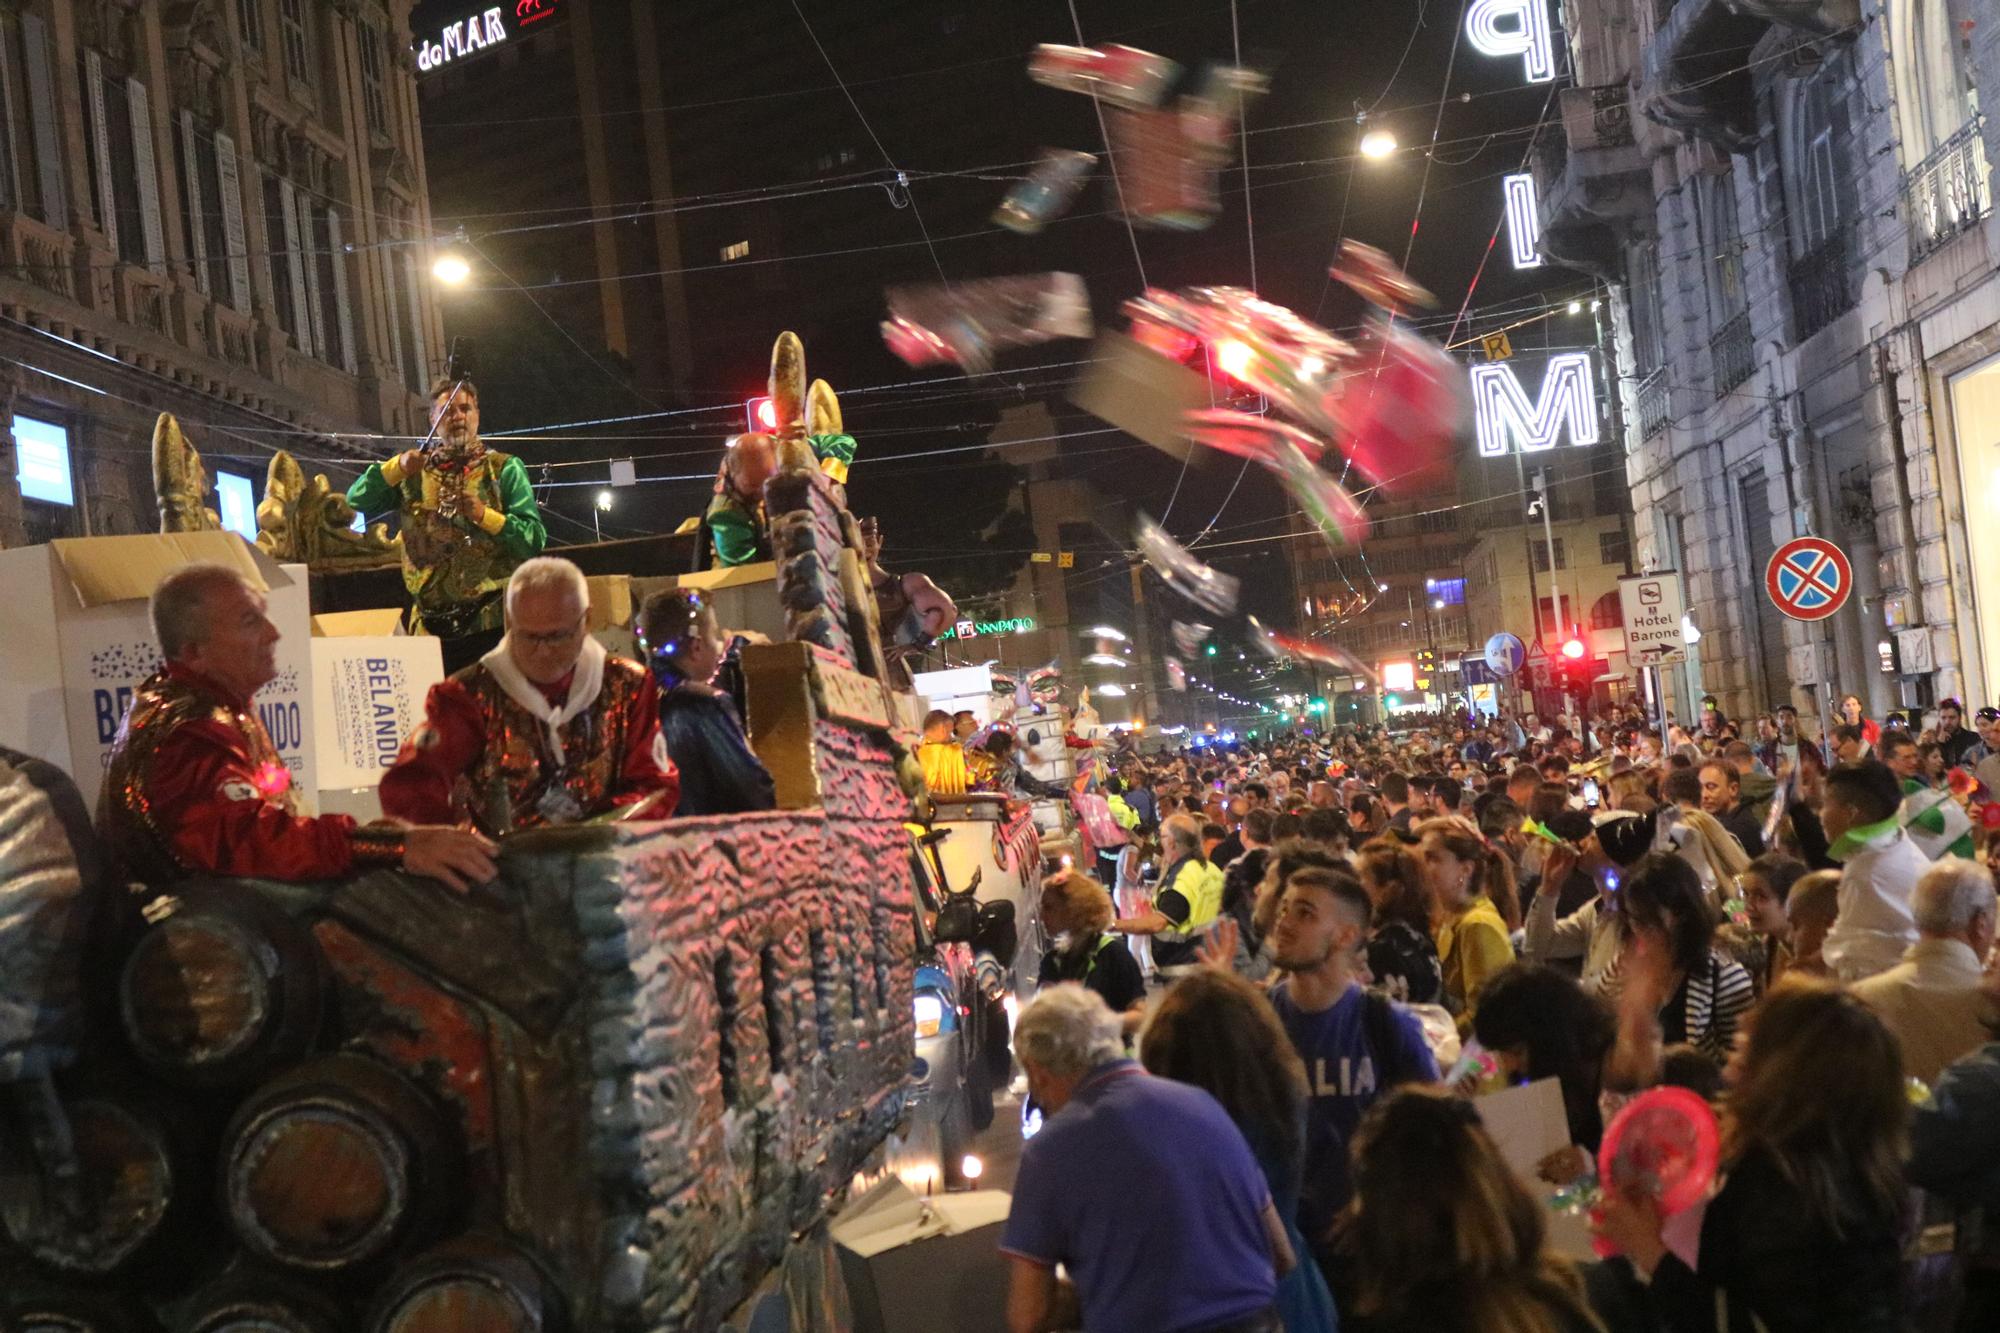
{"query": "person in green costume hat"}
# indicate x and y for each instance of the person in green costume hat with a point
(469, 518)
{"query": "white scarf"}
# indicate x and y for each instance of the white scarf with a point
(583, 689)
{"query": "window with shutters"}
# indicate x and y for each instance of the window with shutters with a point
(201, 207)
(294, 23)
(31, 126)
(287, 296)
(374, 92)
(250, 23)
(124, 180)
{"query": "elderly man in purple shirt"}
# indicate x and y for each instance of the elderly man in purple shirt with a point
(1142, 1187)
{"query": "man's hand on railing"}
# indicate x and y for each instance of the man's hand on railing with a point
(457, 858)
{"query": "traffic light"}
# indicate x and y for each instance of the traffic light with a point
(1574, 649)
(1319, 705)
(1390, 701)
(1208, 651)
(760, 414)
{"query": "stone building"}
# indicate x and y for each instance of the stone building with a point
(209, 207)
(1792, 200)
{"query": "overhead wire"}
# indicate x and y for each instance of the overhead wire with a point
(1250, 240)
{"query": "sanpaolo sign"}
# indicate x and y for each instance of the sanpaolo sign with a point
(968, 629)
(479, 31)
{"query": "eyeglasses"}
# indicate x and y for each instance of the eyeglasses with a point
(553, 639)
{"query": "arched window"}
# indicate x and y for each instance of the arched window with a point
(1932, 74)
(1721, 243)
(1607, 612)
(1818, 148)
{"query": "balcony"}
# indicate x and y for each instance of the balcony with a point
(1593, 183)
(1655, 404)
(1698, 77)
(1822, 290)
(1735, 354)
(1948, 192)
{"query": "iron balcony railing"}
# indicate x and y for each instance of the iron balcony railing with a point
(1655, 404)
(1735, 354)
(1948, 191)
(1821, 288)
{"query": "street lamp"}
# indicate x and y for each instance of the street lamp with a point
(1377, 145)
(603, 506)
(451, 269)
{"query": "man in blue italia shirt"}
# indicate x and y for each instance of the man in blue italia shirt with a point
(1142, 1187)
(1356, 1045)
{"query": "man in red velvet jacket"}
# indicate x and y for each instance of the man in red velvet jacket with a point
(194, 785)
(548, 728)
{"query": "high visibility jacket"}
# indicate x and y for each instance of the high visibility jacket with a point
(1200, 882)
(1126, 817)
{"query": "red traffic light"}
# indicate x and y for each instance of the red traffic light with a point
(1574, 650)
(760, 414)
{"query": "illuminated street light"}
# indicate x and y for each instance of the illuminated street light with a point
(451, 269)
(1105, 659)
(1377, 144)
(1106, 632)
(1576, 307)
(604, 500)
(1112, 690)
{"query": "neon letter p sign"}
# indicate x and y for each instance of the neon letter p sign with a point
(1514, 28)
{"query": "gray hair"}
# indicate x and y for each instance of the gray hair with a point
(1068, 1031)
(180, 605)
(1183, 830)
(547, 573)
(1951, 895)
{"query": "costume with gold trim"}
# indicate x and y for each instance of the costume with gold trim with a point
(482, 756)
(194, 786)
(456, 570)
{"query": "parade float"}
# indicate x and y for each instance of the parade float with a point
(623, 1087)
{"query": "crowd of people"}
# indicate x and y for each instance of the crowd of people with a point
(1348, 941)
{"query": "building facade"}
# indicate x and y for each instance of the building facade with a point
(214, 208)
(1792, 203)
(1398, 595)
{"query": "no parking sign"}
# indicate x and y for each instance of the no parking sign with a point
(1809, 578)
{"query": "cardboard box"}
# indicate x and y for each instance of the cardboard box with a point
(368, 694)
(78, 643)
(915, 1265)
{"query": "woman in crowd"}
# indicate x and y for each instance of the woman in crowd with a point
(1132, 895)
(1539, 1023)
(1402, 957)
(1764, 888)
(720, 775)
(1076, 911)
(1441, 1236)
(1473, 887)
(1802, 1236)
(1706, 993)
(1855, 714)
(1216, 1031)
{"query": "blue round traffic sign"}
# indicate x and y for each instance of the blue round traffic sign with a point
(1809, 578)
(1505, 653)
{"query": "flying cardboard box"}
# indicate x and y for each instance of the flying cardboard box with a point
(78, 644)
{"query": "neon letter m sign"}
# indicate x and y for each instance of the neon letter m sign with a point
(1503, 416)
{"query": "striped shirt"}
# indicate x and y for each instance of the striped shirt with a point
(1707, 1008)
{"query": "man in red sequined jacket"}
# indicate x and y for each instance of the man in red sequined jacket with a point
(194, 785)
(548, 728)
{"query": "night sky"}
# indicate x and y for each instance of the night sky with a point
(944, 89)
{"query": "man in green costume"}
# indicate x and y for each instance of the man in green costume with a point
(468, 518)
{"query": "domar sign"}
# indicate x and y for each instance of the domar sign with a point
(480, 31)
